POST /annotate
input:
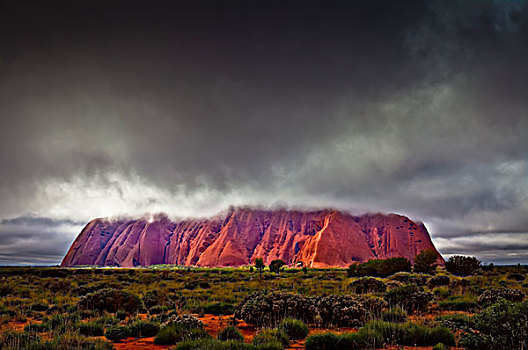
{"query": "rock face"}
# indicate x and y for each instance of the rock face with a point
(322, 238)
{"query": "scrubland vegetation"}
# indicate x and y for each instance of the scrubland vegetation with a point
(373, 305)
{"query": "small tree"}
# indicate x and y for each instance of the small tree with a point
(275, 265)
(259, 265)
(426, 262)
(462, 265)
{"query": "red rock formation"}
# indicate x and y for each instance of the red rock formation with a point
(323, 238)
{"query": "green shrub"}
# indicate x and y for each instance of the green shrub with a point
(462, 265)
(455, 321)
(441, 292)
(492, 296)
(18, 340)
(516, 277)
(322, 341)
(230, 333)
(409, 297)
(502, 326)
(439, 346)
(426, 262)
(269, 309)
(39, 307)
(36, 328)
(74, 341)
(117, 333)
(186, 321)
(110, 300)
(344, 341)
(459, 303)
(270, 336)
(214, 344)
(407, 333)
(379, 267)
(61, 320)
(367, 285)
(143, 329)
(438, 281)
(90, 329)
(394, 314)
(106, 321)
(5, 290)
(154, 298)
(156, 310)
(121, 315)
(219, 308)
(294, 329)
(410, 278)
(175, 333)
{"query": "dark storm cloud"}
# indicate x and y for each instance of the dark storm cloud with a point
(186, 107)
(34, 240)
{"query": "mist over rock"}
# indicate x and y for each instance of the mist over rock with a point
(315, 238)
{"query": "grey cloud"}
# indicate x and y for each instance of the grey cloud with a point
(38, 221)
(35, 240)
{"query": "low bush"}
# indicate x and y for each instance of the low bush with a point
(74, 341)
(378, 333)
(111, 300)
(156, 310)
(39, 307)
(491, 296)
(367, 285)
(269, 309)
(117, 333)
(502, 326)
(266, 336)
(441, 292)
(186, 321)
(154, 298)
(90, 329)
(346, 311)
(459, 303)
(409, 297)
(176, 333)
(61, 320)
(294, 329)
(230, 333)
(219, 308)
(120, 315)
(36, 328)
(438, 281)
(379, 267)
(323, 341)
(143, 329)
(410, 334)
(516, 277)
(455, 321)
(5, 290)
(418, 279)
(20, 340)
(394, 314)
(214, 344)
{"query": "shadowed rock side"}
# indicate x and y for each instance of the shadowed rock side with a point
(323, 238)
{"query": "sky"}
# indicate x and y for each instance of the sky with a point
(123, 107)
